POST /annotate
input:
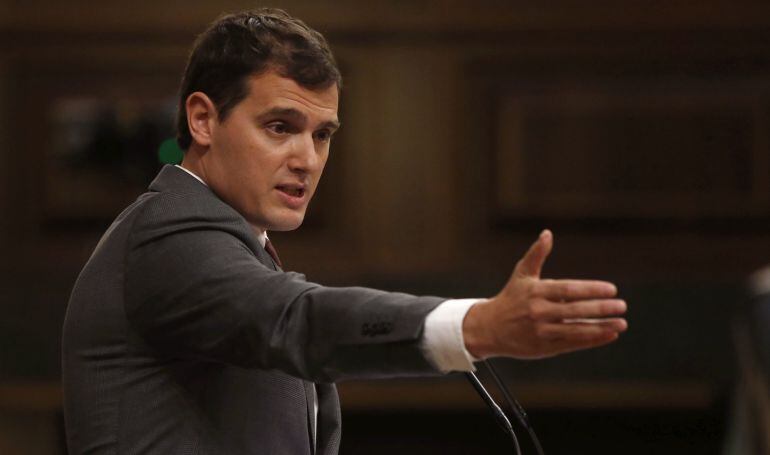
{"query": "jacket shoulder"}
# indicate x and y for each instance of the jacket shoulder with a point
(176, 210)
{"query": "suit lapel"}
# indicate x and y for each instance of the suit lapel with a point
(310, 395)
(329, 420)
(310, 388)
(266, 259)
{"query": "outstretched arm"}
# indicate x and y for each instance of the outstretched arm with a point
(534, 318)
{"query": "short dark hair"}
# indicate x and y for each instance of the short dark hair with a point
(237, 46)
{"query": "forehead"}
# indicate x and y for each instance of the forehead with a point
(269, 90)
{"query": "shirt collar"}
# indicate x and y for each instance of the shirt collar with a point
(191, 173)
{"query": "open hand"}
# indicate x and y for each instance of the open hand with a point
(533, 318)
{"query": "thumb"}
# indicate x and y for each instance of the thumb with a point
(532, 263)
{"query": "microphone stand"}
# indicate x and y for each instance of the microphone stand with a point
(500, 416)
(516, 408)
(502, 420)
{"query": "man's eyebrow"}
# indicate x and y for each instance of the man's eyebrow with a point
(297, 116)
(283, 112)
(333, 125)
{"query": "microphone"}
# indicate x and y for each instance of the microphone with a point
(500, 416)
(516, 408)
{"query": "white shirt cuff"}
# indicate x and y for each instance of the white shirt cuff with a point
(442, 340)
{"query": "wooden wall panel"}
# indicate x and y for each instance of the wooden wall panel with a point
(5, 161)
(656, 148)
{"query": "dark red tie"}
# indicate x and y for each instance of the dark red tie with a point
(272, 252)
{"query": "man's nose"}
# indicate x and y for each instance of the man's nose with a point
(304, 157)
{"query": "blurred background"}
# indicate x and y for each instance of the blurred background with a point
(639, 132)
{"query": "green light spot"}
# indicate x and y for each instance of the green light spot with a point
(169, 152)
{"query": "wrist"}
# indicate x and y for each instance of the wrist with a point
(476, 331)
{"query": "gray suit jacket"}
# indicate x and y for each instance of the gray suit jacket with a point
(183, 337)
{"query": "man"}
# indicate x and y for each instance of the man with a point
(183, 335)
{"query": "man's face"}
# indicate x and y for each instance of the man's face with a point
(266, 158)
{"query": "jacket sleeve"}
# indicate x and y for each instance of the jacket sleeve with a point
(197, 291)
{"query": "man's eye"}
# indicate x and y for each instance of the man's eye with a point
(323, 135)
(278, 128)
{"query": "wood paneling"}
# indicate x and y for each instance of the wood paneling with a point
(647, 143)
(386, 16)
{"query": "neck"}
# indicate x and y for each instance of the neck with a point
(193, 161)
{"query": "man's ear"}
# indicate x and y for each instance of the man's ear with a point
(201, 116)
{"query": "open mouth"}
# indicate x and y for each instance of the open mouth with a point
(292, 191)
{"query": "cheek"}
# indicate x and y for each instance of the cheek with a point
(256, 161)
(323, 158)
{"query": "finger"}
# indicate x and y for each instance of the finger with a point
(565, 346)
(610, 324)
(532, 263)
(583, 309)
(582, 331)
(558, 290)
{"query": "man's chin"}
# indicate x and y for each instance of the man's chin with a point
(286, 223)
(284, 228)
(277, 220)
